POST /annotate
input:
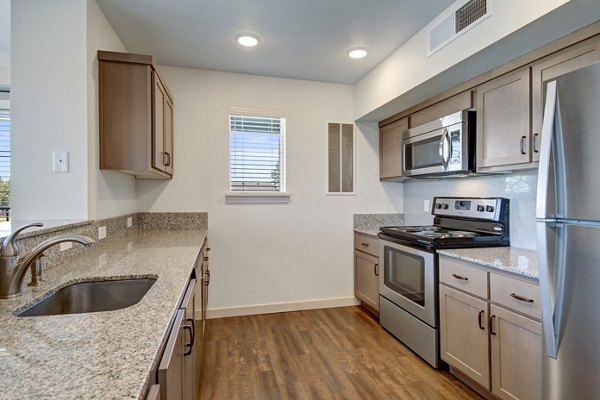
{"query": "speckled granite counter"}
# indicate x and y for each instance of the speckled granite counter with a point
(105, 355)
(370, 232)
(510, 259)
(369, 224)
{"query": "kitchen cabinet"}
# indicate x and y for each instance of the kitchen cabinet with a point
(136, 116)
(490, 329)
(366, 270)
(202, 273)
(390, 150)
(464, 334)
(449, 106)
(551, 67)
(177, 368)
(503, 122)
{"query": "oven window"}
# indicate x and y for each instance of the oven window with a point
(405, 275)
(423, 154)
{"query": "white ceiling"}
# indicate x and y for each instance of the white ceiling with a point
(302, 39)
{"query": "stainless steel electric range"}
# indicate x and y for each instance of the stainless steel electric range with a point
(408, 286)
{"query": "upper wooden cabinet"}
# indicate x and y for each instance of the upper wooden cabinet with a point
(449, 106)
(390, 150)
(548, 68)
(503, 121)
(136, 116)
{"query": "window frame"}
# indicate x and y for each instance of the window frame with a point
(281, 196)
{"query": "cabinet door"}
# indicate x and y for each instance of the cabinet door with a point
(516, 355)
(366, 279)
(168, 135)
(503, 121)
(464, 334)
(171, 367)
(189, 343)
(570, 59)
(390, 149)
(158, 124)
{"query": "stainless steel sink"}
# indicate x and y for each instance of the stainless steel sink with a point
(91, 297)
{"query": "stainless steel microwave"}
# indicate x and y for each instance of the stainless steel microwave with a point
(445, 146)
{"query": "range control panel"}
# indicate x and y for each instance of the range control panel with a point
(468, 207)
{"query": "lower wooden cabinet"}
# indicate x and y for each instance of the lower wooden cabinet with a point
(516, 355)
(366, 270)
(488, 336)
(464, 334)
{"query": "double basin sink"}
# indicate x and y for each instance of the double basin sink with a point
(86, 297)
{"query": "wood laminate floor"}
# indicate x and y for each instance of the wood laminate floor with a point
(336, 353)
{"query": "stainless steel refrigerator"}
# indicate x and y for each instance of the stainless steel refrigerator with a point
(568, 234)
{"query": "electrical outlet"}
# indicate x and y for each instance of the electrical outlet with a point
(102, 260)
(60, 160)
(129, 246)
(426, 206)
(65, 246)
(101, 232)
(129, 222)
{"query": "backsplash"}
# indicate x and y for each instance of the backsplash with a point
(520, 188)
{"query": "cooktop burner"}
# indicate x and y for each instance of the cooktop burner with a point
(459, 222)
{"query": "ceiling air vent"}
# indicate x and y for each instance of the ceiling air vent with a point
(457, 22)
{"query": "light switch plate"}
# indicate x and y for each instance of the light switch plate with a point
(129, 222)
(101, 232)
(426, 206)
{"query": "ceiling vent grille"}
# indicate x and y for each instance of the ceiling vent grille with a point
(457, 22)
(469, 13)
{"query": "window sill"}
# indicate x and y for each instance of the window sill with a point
(257, 197)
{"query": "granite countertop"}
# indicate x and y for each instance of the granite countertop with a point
(510, 259)
(368, 231)
(102, 355)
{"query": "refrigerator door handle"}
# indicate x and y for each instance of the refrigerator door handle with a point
(545, 151)
(552, 279)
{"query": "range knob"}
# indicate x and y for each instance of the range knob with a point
(489, 208)
(445, 206)
(480, 208)
(438, 206)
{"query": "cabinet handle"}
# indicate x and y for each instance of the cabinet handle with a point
(535, 148)
(376, 269)
(462, 278)
(523, 139)
(365, 244)
(492, 318)
(208, 249)
(207, 274)
(205, 258)
(521, 298)
(168, 162)
(480, 320)
(192, 330)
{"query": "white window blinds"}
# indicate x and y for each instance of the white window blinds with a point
(256, 153)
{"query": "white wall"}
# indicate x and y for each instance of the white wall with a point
(111, 193)
(410, 66)
(269, 253)
(520, 188)
(49, 108)
(4, 68)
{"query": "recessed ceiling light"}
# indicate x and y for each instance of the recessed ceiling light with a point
(357, 52)
(247, 39)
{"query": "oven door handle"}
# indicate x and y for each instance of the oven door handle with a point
(444, 148)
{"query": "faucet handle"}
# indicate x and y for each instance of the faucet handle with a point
(9, 246)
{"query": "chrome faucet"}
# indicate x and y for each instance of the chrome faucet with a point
(13, 268)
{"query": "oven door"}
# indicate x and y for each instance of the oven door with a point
(436, 152)
(409, 279)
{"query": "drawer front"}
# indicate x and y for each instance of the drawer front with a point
(464, 277)
(516, 294)
(368, 244)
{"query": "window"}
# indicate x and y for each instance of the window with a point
(4, 165)
(340, 143)
(256, 153)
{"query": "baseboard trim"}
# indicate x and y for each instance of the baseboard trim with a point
(279, 307)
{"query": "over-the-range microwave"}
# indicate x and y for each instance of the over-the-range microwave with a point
(445, 146)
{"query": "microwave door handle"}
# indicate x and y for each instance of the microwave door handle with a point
(444, 144)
